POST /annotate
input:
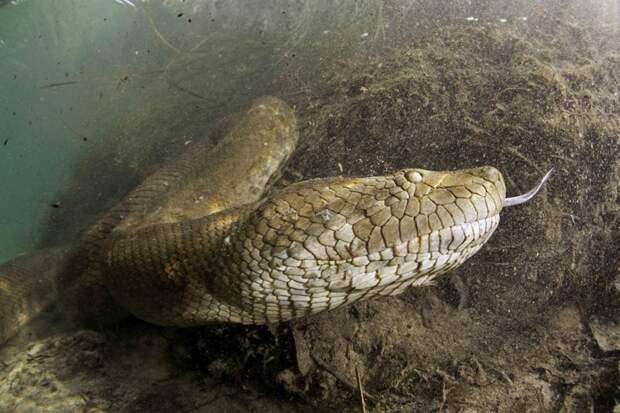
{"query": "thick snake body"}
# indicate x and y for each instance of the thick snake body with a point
(203, 181)
(314, 246)
(198, 242)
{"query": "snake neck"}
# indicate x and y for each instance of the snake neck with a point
(185, 258)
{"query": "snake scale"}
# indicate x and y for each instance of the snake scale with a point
(198, 242)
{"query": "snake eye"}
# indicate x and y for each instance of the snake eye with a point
(414, 176)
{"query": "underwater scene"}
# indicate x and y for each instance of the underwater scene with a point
(306, 206)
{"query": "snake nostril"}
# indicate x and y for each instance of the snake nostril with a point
(490, 173)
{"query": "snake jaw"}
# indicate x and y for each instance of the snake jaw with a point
(520, 199)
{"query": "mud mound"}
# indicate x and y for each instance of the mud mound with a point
(134, 368)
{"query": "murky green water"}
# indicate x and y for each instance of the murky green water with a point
(59, 62)
(70, 70)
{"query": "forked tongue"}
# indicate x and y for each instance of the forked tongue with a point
(516, 200)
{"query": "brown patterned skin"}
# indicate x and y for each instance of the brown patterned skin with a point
(202, 181)
(312, 247)
(198, 243)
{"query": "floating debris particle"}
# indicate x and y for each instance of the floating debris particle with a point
(125, 3)
(51, 85)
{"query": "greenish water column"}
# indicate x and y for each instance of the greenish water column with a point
(56, 57)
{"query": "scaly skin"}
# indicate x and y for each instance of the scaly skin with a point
(201, 182)
(198, 243)
(314, 246)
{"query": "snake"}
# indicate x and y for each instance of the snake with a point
(206, 239)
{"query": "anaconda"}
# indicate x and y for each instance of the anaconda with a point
(199, 242)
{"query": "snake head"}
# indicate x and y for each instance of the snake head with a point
(452, 179)
(478, 192)
(323, 243)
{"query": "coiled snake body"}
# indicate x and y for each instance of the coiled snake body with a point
(198, 243)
